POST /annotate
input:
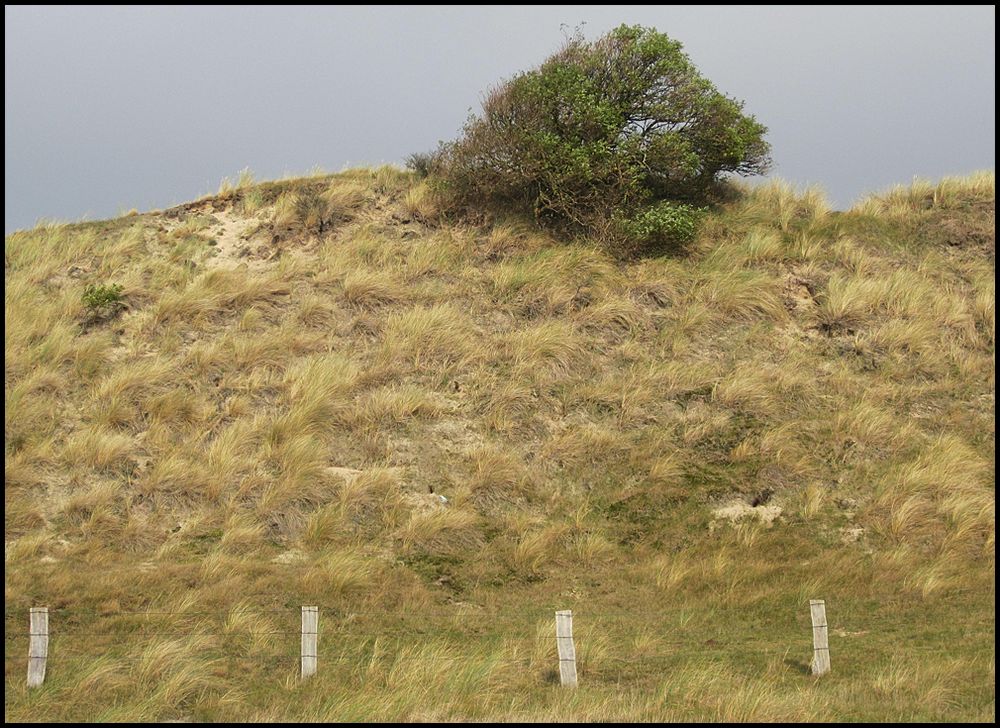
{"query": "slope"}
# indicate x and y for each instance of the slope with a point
(326, 391)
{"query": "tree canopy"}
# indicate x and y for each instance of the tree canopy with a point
(604, 133)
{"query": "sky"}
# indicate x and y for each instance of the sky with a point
(107, 109)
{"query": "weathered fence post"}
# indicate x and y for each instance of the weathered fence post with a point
(567, 651)
(38, 645)
(821, 639)
(310, 640)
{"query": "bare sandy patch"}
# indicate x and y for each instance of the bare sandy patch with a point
(737, 510)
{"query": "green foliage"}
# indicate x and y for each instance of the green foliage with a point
(601, 131)
(663, 224)
(97, 297)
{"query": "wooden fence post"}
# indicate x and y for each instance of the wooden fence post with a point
(567, 651)
(38, 645)
(310, 640)
(821, 639)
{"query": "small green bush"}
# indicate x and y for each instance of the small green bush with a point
(601, 132)
(664, 224)
(97, 297)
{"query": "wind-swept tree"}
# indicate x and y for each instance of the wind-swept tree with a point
(621, 136)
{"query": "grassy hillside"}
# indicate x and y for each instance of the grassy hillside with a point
(681, 449)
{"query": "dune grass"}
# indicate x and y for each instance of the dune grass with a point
(441, 434)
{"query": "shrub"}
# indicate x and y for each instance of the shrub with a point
(98, 297)
(421, 163)
(662, 224)
(600, 133)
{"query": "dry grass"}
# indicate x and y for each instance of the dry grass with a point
(421, 203)
(441, 333)
(440, 434)
(902, 201)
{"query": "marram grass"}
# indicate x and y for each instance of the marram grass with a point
(441, 434)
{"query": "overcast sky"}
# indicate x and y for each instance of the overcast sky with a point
(108, 109)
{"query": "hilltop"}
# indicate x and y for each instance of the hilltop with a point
(330, 391)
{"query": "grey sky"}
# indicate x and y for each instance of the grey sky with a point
(107, 109)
